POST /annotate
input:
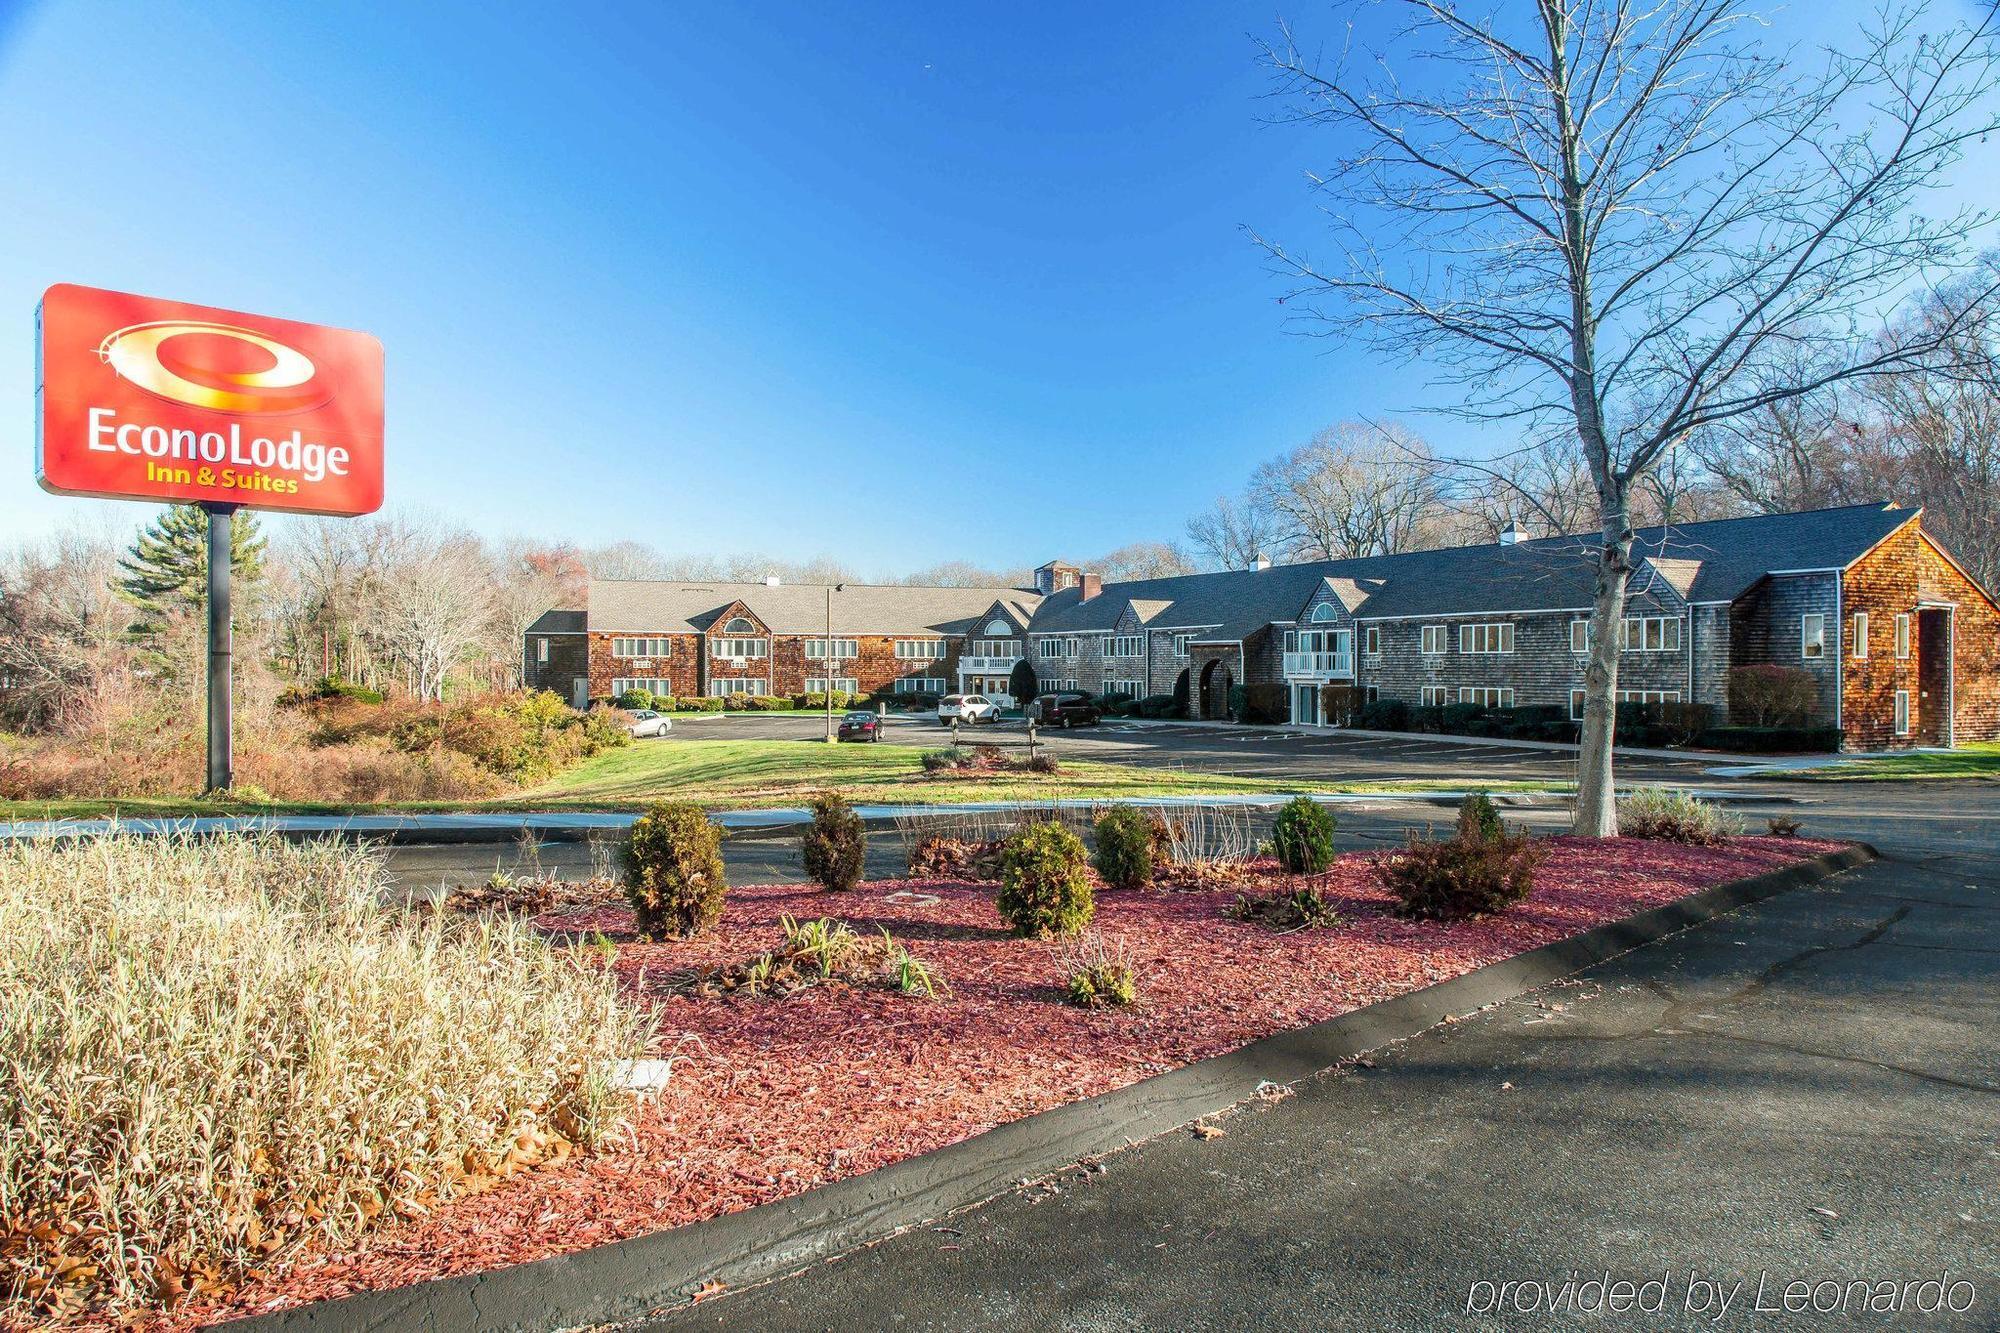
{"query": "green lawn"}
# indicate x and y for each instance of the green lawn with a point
(1980, 759)
(733, 774)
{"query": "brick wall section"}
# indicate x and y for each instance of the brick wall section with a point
(680, 669)
(1893, 579)
(1766, 624)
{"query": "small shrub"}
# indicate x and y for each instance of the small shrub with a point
(1124, 848)
(1044, 884)
(1478, 819)
(835, 848)
(1675, 816)
(1098, 977)
(633, 700)
(945, 759)
(1461, 877)
(1767, 695)
(1298, 910)
(1042, 763)
(1784, 826)
(1303, 836)
(940, 857)
(673, 871)
(1263, 704)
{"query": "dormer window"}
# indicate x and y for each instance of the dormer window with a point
(1323, 613)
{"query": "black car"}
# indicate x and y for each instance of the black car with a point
(1066, 708)
(861, 727)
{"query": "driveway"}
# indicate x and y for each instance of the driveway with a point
(1808, 1089)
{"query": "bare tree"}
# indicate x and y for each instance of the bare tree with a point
(432, 601)
(1232, 532)
(63, 643)
(1141, 560)
(530, 578)
(1622, 217)
(1356, 489)
(1939, 427)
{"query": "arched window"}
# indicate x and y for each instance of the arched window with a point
(739, 625)
(998, 629)
(1323, 613)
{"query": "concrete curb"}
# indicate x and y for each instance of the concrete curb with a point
(626, 1279)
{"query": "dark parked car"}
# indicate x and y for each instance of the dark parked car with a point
(1066, 708)
(861, 727)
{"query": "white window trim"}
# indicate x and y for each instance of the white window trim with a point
(1182, 643)
(1503, 693)
(1860, 645)
(1579, 637)
(1902, 716)
(731, 649)
(1430, 634)
(638, 647)
(1470, 635)
(1371, 641)
(1812, 637)
(843, 684)
(656, 688)
(921, 685)
(921, 650)
(1123, 645)
(1323, 614)
(844, 650)
(1644, 625)
(723, 687)
(1434, 696)
(541, 650)
(1903, 636)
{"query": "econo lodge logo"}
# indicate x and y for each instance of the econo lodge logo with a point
(203, 365)
(159, 400)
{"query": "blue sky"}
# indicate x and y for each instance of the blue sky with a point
(797, 279)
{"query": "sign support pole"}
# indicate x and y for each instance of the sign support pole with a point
(221, 645)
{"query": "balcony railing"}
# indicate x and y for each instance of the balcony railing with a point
(986, 665)
(1318, 666)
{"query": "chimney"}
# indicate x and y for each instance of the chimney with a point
(1091, 584)
(770, 580)
(1511, 533)
(1260, 561)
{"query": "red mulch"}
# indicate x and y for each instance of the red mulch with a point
(776, 1096)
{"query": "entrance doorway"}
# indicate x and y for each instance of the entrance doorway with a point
(1305, 705)
(1216, 682)
(1932, 723)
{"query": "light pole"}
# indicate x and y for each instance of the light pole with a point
(826, 658)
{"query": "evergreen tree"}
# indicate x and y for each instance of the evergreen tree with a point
(166, 573)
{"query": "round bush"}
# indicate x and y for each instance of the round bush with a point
(1303, 837)
(633, 700)
(1124, 848)
(1478, 819)
(1045, 882)
(835, 847)
(1462, 877)
(673, 871)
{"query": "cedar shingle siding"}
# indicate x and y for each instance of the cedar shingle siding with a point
(1737, 589)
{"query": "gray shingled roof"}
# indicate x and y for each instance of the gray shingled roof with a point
(1705, 562)
(644, 606)
(558, 621)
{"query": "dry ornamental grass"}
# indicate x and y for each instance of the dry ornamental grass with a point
(221, 1052)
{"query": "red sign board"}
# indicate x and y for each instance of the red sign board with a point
(142, 399)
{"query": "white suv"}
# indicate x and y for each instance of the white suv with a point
(970, 708)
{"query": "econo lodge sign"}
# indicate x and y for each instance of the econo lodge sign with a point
(143, 399)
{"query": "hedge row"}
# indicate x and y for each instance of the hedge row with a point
(1680, 725)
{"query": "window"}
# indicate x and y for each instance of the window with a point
(920, 685)
(632, 648)
(1579, 637)
(1124, 645)
(1497, 637)
(1486, 696)
(1374, 693)
(1049, 685)
(1860, 634)
(657, 688)
(1812, 636)
(819, 684)
(1624, 697)
(722, 689)
(739, 625)
(1902, 712)
(994, 648)
(738, 650)
(843, 649)
(1433, 643)
(541, 650)
(920, 650)
(1903, 636)
(1650, 634)
(998, 629)
(1436, 696)
(1324, 612)
(1372, 641)
(1182, 643)
(1113, 685)
(1055, 648)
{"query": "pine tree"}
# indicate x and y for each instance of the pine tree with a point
(166, 573)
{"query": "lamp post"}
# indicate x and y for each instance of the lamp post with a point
(826, 658)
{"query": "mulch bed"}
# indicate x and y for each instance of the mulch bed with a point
(772, 1097)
